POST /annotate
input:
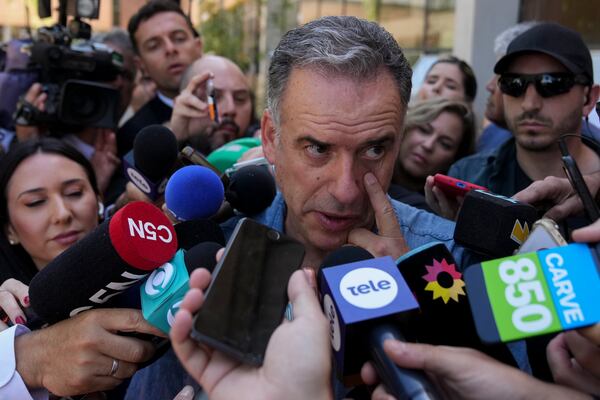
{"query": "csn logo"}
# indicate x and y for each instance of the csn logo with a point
(368, 288)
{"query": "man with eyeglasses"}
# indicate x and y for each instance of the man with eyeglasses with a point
(546, 80)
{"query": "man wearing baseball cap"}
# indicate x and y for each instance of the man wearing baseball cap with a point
(546, 80)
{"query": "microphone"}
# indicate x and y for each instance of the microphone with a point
(228, 154)
(445, 316)
(364, 300)
(164, 289)
(151, 160)
(193, 192)
(531, 294)
(251, 189)
(190, 233)
(107, 261)
(492, 224)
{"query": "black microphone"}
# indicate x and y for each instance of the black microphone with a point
(190, 233)
(364, 301)
(492, 224)
(152, 159)
(251, 189)
(445, 315)
(112, 258)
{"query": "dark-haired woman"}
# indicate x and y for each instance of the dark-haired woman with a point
(48, 201)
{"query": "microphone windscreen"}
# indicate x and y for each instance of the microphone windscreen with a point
(155, 151)
(345, 255)
(202, 255)
(107, 261)
(445, 316)
(194, 192)
(251, 189)
(492, 224)
(190, 233)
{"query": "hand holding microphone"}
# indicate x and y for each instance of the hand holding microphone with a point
(113, 257)
(365, 299)
(78, 355)
(14, 301)
(465, 374)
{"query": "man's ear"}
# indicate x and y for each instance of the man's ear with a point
(139, 64)
(268, 135)
(591, 97)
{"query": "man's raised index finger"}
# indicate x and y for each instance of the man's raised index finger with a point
(385, 216)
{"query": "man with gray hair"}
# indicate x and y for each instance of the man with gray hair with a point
(337, 94)
(338, 88)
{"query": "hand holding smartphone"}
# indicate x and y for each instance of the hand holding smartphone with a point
(574, 175)
(246, 299)
(453, 187)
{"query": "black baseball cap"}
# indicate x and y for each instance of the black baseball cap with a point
(557, 41)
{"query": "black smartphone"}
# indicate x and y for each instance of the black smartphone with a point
(246, 299)
(189, 156)
(576, 179)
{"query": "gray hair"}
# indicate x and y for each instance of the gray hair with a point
(505, 37)
(117, 36)
(345, 45)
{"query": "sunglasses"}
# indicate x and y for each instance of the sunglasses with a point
(547, 85)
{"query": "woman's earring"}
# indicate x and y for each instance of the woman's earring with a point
(100, 209)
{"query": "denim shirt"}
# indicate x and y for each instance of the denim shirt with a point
(164, 378)
(418, 226)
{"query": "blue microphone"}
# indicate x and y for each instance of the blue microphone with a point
(364, 302)
(194, 192)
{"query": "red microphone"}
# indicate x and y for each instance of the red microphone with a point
(113, 257)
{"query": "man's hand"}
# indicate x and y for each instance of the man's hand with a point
(558, 194)
(190, 113)
(36, 98)
(297, 362)
(463, 373)
(105, 160)
(389, 240)
(437, 200)
(575, 362)
(75, 356)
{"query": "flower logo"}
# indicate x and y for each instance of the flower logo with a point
(444, 281)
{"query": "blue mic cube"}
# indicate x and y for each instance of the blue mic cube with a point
(354, 296)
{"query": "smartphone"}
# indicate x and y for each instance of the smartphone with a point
(239, 165)
(544, 234)
(189, 156)
(579, 185)
(532, 294)
(247, 297)
(453, 187)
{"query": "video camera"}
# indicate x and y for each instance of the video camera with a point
(74, 76)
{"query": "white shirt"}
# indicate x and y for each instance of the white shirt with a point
(167, 100)
(12, 386)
